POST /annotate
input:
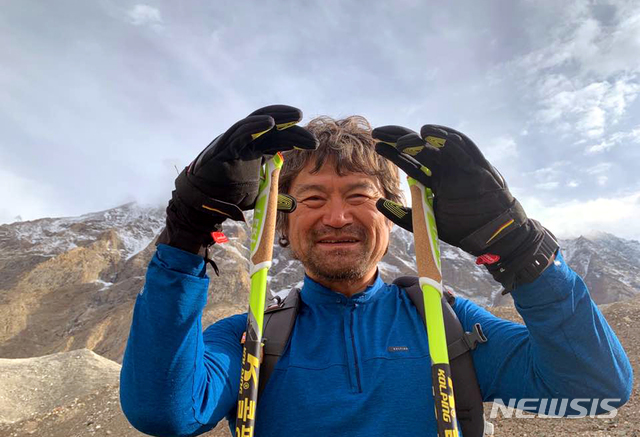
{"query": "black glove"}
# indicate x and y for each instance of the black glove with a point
(223, 180)
(473, 207)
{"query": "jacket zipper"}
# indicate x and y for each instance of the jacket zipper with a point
(355, 353)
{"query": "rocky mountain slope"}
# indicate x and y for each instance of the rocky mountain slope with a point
(609, 265)
(70, 283)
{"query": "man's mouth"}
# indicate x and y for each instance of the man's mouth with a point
(338, 241)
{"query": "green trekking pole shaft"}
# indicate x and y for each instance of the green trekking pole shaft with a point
(427, 249)
(262, 236)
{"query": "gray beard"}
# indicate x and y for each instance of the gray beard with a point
(320, 269)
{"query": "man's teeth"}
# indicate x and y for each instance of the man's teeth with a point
(339, 241)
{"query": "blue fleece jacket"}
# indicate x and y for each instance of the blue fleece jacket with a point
(355, 366)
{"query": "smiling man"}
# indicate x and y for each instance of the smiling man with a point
(357, 361)
(337, 232)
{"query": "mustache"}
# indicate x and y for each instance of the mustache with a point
(352, 231)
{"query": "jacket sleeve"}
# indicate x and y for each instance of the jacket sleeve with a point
(175, 379)
(567, 350)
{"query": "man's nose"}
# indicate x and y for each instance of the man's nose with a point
(337, 215)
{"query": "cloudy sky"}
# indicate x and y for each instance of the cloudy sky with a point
(101, 100)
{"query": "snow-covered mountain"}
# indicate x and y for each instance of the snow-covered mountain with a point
(67, 283)
(608, 264)
(136, 227)
(598, 257)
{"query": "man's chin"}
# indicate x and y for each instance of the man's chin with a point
(341, 270)
(335, 265)
(342, 275)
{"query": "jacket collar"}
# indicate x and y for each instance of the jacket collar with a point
(314, 293)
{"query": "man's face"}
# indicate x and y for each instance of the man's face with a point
(336, 231)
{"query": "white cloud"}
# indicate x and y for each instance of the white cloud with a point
(617, 215)
(617, 50)
(599, 168)
(592, 122)
(591, 47)
(573, 184)
(584, 73)
(22, 198)
(500, 149)
(600, 147)
(615, 139)
(548, 177)
(588, 110)
(623, 93)
(141, 15)
(552, 185)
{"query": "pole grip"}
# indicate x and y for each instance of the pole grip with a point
(263, 233)
(427, 263)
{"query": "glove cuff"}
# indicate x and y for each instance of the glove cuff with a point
(188, 229)
(528, 261)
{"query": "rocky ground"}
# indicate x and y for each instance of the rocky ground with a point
(95, 414)
(63, 401)
(68, 394)
(623, 318)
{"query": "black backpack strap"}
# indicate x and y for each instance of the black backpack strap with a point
(279, 319)
(469, 341)
(469, 406)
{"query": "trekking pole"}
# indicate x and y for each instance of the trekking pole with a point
(425, 234)
(262, 236)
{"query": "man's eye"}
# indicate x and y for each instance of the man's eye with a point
(358, 198)
(313, 201)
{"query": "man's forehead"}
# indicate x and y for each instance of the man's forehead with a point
(327, 179)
